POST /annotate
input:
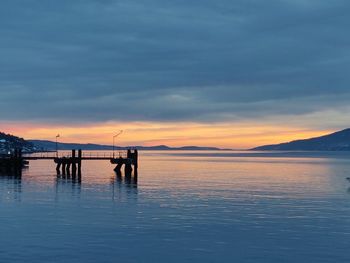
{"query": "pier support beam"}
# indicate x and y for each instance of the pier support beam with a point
(74, 166)
(58, 168)
(119, 163)
(68, 167)
(64, 167)
(136, 162)
(80, 156)
(128, 169)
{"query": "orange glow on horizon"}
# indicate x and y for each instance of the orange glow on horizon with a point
(224, 135)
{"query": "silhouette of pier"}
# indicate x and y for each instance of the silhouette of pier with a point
(71, 163)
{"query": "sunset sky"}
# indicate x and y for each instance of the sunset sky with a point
(226, 73)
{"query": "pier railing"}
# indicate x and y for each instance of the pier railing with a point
(68, 154)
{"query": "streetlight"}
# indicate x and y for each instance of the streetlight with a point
(115, 136)
(57, 145)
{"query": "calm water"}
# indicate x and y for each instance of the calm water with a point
(184, 207)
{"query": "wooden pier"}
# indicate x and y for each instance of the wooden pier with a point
(71, 164)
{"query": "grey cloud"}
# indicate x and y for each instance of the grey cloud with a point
(171, 60)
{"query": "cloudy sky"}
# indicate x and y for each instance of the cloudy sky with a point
(229, 73)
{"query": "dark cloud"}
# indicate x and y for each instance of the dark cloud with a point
(172, 60)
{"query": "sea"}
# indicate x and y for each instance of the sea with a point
(183, 206)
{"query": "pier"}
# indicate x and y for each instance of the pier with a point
(71, 164)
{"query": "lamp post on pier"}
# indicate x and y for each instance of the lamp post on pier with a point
(115, 136)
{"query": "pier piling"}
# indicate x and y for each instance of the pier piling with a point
(74, 166)
(80, 155)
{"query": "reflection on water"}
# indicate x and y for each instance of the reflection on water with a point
(120, 184)
(10, 184)
(66, 183)
(10, 173)
(129, 181)
(182, 207)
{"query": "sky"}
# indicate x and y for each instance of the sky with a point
(226, 73)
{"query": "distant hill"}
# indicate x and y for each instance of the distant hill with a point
(10, 142)
(338, 141)
(51, 146)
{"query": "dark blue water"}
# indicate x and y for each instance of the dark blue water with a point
(184, 207)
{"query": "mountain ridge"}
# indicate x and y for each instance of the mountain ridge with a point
(51, 146)
(337, 141)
